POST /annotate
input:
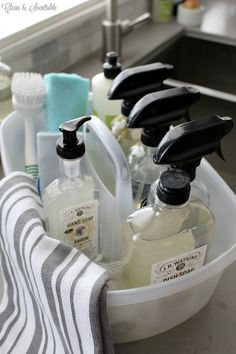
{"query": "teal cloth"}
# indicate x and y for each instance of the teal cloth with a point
(67, 98)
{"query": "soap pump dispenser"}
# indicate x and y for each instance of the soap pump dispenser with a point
(69, 203)
(185, 145)
(154, 113)
(170, 238)
(103, 108)
(130, 86)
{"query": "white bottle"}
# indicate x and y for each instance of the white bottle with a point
(70, 207)
(170, 238)
(101, 83)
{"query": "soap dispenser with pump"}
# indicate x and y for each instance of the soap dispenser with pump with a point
(130, 86)
(69, 202)
(185, 145)
(154, 113)
(100, 84)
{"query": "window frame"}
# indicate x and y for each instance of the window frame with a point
(40, 33)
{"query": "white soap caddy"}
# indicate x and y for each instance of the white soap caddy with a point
(147, 311)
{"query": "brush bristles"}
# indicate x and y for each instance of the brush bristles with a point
(28, 88)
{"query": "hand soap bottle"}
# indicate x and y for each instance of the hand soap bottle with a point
(69, 203)
(170, 238)
(154, 113)
(184, 146)
(101, 83)
(131, 85)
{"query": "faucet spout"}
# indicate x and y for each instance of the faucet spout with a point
(113, 28)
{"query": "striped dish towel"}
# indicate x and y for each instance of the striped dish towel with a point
(54, 297)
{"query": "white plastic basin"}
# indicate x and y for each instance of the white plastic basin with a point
(143, 312)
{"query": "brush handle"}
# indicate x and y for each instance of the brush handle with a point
(31, 166)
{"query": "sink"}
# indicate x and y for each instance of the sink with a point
(201, 62)
(210, 67)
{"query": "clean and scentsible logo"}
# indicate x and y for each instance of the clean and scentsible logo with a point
(10, 7)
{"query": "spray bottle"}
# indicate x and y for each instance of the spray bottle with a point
(154, 113)
(131, 85)
(185, 145)
(70, 206)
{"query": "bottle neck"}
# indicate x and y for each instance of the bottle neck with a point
(69, 169)
(158, 204)
(150, 151)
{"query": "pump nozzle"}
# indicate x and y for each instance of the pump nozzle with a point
(111, 67)
(69, 146)
(156, 111)
(184, 146)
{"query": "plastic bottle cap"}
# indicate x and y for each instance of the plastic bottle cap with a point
(69, 146)
(185, 145)
(111, 67)
(173, 187)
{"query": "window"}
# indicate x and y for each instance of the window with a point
(19, 15)
(21, 31)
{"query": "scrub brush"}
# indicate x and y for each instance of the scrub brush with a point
(28, 94)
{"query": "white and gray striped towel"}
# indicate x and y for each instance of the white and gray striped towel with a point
(54, 297)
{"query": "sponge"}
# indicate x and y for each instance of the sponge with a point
(67, 98)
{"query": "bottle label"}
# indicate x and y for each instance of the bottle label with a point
(79, 225)
(178, 266)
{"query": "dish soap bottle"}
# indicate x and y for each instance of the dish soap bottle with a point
(154, 113)
(170, 238)
(162, 10)
(101, 83)
(184, 146)
(69, 203)
(131, 85)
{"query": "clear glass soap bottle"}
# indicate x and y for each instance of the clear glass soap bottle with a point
(70, 207)
(170, 238)
(143, 172)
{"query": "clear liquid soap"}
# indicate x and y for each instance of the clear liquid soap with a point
(69, 203)
(168, 239)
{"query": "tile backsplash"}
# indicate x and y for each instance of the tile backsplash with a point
(75, 45)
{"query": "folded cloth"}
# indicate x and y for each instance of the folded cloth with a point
(54, 297)
(67, 98)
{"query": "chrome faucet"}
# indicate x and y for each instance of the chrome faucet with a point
(113, 28)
